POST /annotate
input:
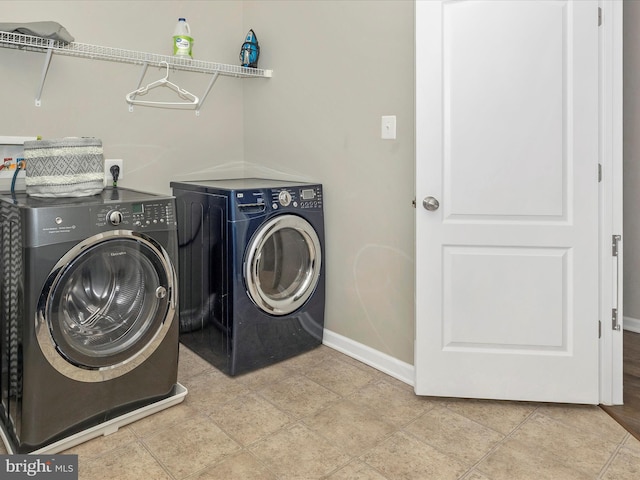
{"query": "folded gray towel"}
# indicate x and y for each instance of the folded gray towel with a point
(52, 30)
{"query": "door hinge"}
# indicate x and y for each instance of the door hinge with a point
(615, 324)
(599, 16)
(599, 329)
(599, 172)
(615, 239)
(615, 251)
(413, 203)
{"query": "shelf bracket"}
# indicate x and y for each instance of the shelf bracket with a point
(45, 69)
(213, 80)
(145, 65)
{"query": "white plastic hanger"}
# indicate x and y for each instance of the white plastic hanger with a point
(190, 98)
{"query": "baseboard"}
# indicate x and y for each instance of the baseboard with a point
(632, 324)
(378, 360)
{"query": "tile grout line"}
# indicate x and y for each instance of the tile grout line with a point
(157, 460)
(491, 450)
(497, 445)
(347, 397)
(246, 448)
(613, 456)
(293, 420)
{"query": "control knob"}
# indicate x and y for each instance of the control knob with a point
(284, 198)
(115, 217)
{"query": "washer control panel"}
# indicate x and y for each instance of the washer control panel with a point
(60, 220)
(137, 215)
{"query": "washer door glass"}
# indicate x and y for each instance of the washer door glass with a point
(282, 265)
(105, 302)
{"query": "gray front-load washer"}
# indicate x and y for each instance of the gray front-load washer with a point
(88, 311)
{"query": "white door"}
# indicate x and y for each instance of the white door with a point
(507, 145)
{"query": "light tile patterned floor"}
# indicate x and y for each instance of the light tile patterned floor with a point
(323, 415)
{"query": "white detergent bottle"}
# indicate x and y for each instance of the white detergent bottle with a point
(182, 40)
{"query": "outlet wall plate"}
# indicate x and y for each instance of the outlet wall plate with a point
(108, 163)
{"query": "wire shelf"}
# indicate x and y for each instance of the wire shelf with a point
(84, 50)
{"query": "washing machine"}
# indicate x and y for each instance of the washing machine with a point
(88, 312)
(251, 281)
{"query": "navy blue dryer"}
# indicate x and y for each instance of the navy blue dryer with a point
(251, 270)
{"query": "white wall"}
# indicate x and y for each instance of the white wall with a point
(338, 67)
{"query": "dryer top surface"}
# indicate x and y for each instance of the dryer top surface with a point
(232, 184)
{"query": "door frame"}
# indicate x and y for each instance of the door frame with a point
(610, 201)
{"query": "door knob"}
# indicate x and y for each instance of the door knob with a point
(430, 203)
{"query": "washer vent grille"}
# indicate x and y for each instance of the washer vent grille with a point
(11, 295)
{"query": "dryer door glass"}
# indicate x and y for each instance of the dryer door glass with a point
(283, 263)
(105, 303)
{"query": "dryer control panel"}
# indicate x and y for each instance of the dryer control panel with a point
(305, 197)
